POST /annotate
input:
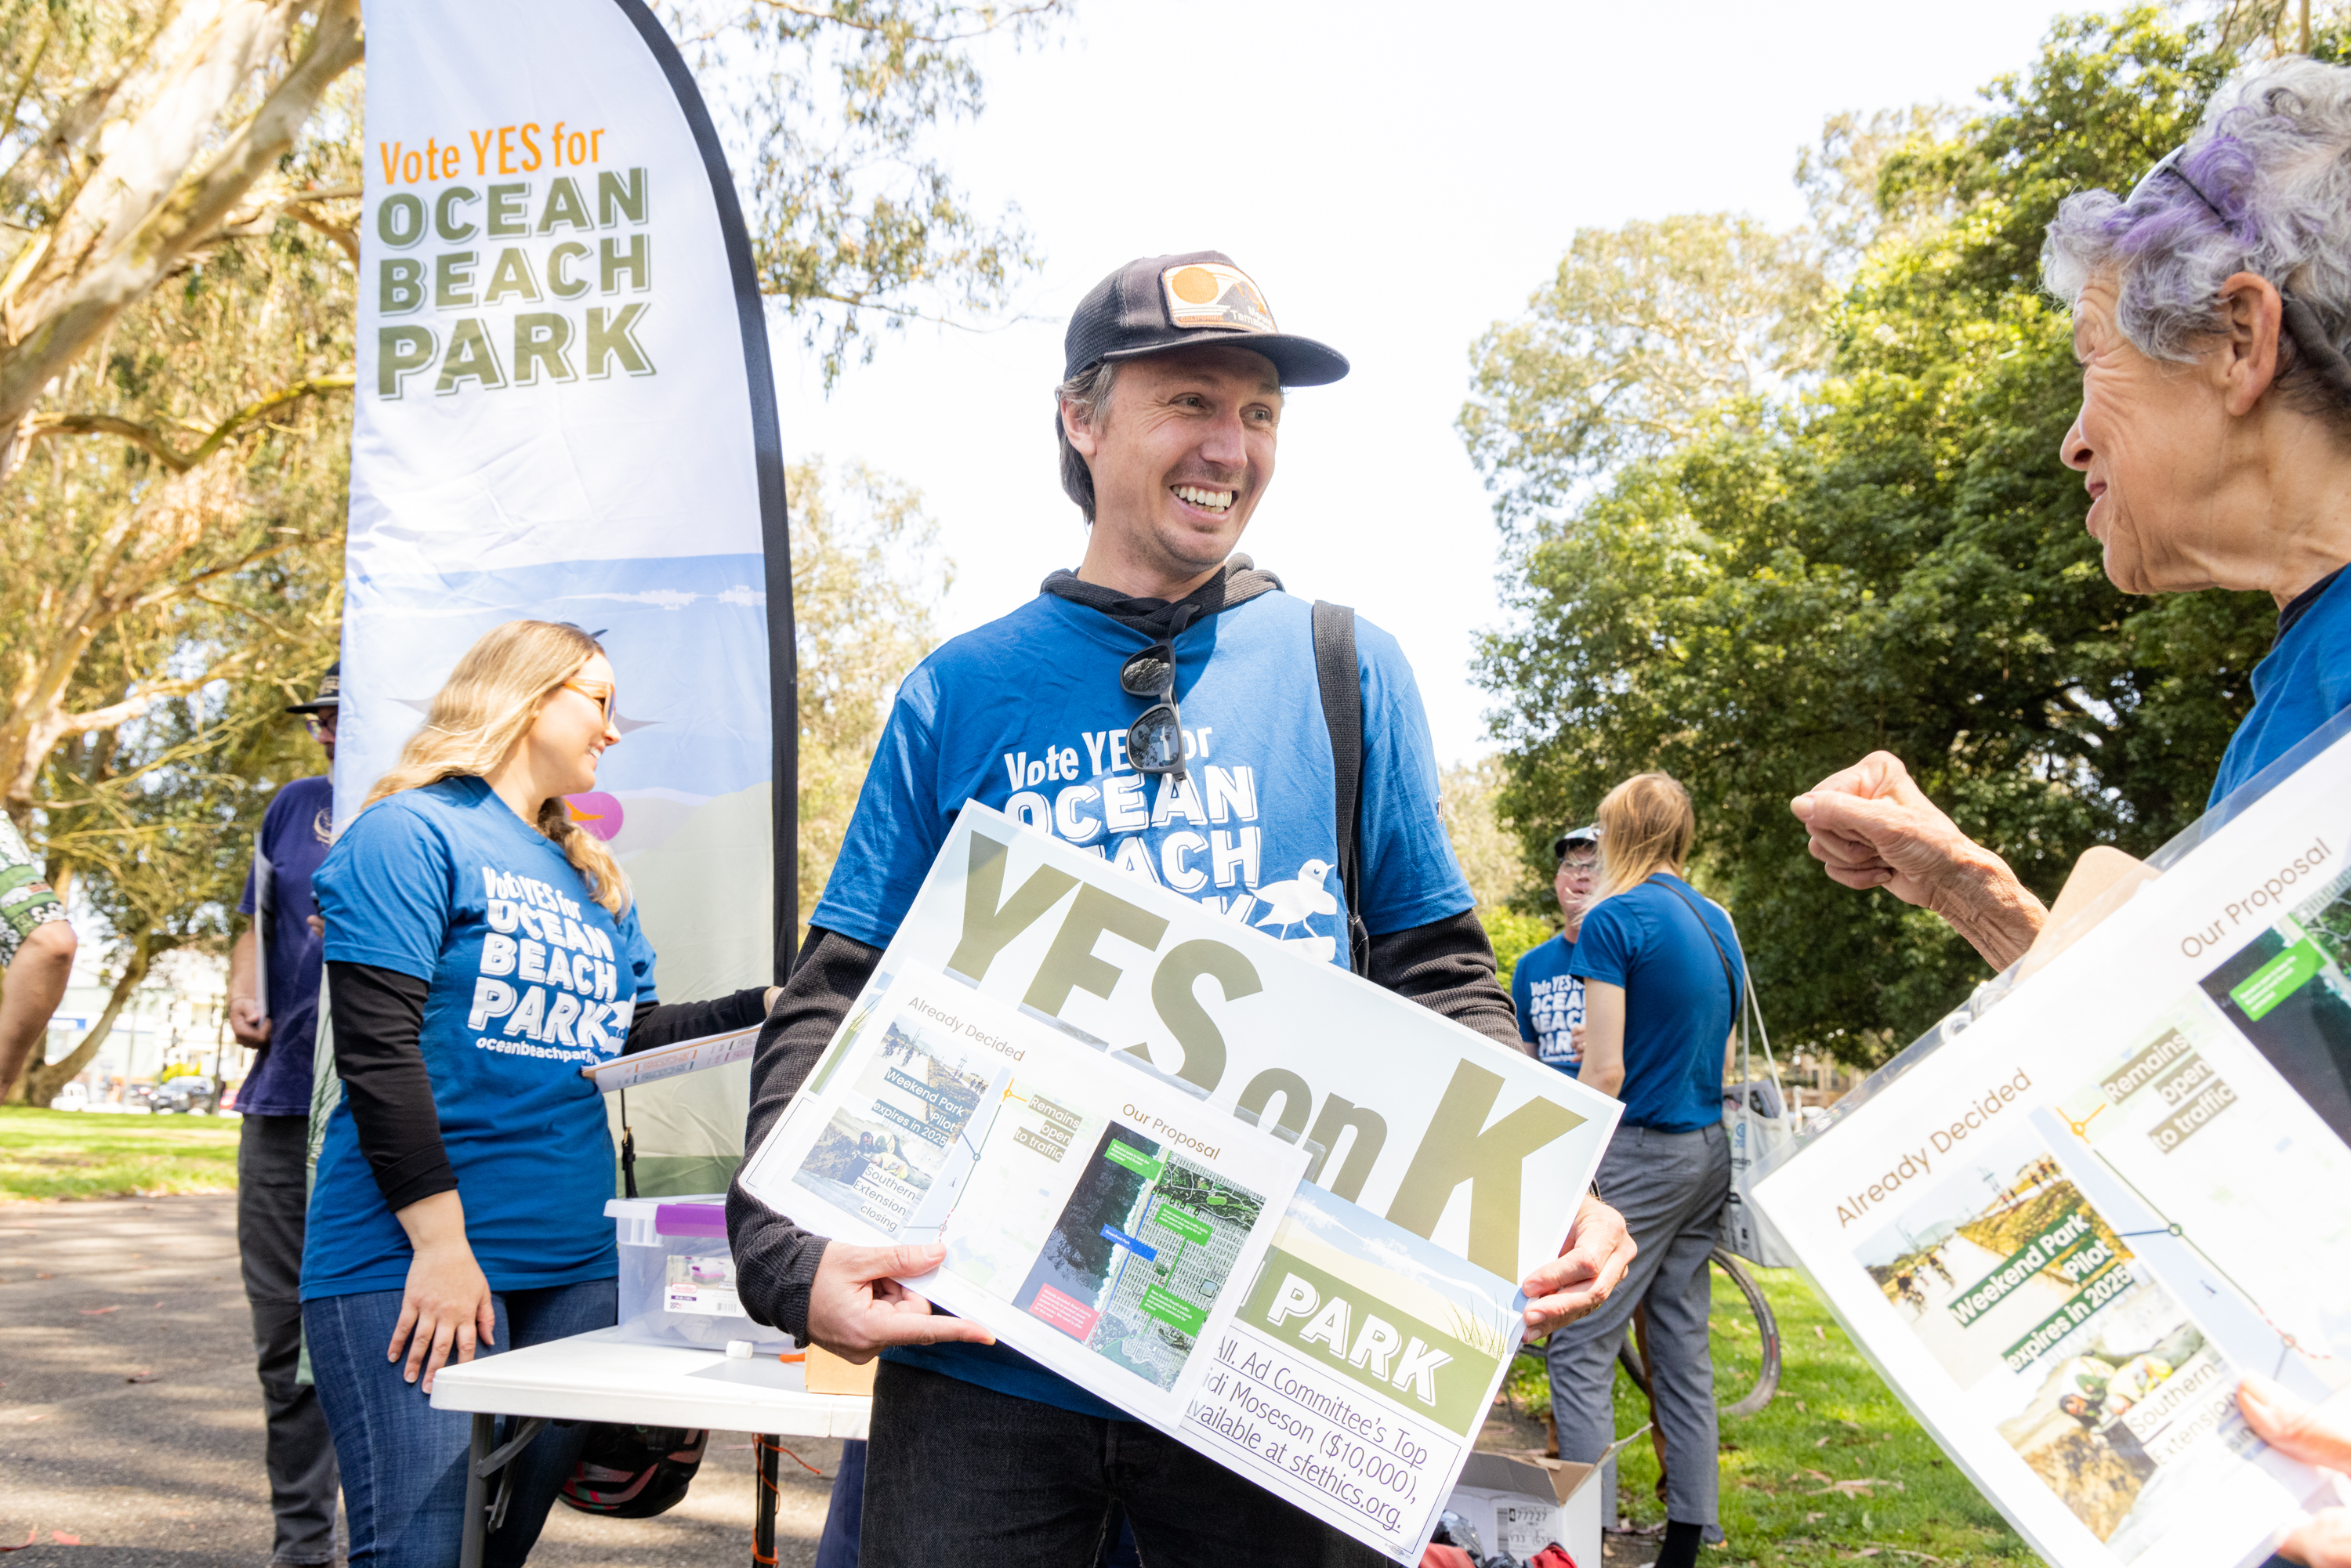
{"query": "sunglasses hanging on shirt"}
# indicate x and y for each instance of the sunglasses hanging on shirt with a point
(1154, 742)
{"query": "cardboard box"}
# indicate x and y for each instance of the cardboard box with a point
(828, 1374)
(1521, 1503)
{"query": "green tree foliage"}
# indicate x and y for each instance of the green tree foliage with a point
(830, 106)
(1894, 557)
(1514, 905)
(866, 579)
(1649, 336)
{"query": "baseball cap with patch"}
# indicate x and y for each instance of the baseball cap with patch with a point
(1161, 302)
(330, 692)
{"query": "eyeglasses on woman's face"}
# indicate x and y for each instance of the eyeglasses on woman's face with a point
(605, 695)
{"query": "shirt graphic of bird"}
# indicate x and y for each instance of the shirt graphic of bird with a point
(1296, 901)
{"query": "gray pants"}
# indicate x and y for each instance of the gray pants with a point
(1669, 1186)
(271, 1201)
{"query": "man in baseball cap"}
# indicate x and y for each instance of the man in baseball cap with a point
(1160, 707)
(1547, 999)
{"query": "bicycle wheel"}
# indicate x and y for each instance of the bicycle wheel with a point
(1767, 1332)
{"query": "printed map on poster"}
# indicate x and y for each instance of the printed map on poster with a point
(1248, 1197)
(2068, 1234)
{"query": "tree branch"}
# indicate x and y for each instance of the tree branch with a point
(150, 439)
(835, 14)
(115, 254)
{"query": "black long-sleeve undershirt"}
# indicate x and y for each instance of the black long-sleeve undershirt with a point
(1446, 965)
(379, 1025)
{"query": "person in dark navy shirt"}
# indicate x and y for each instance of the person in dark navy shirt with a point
(273, 1139)
(1544, 990)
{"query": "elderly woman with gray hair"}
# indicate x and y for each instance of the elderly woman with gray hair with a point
(2211, 310)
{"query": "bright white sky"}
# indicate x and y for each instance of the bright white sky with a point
(1395, 178)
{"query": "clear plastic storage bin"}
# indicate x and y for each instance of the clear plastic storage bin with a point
(677, 1275)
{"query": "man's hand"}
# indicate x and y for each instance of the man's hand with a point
(2301, 1430)
(856, 1308)
(247, 1022)
(1599, 1250)
(247, 1019)
(1872, 826)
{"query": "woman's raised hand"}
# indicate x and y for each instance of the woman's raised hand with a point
(1872, 826)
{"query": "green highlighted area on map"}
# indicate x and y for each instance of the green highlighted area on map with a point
(1133, 1158)
(2279, 979)
(1172, 1310)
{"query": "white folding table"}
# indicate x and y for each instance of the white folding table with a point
(598, 1376)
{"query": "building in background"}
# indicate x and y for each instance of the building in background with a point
(178, 1017)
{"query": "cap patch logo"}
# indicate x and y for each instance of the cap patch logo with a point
(1210, 294)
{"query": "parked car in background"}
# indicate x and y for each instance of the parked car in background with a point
(138, 1099)
(191, 1094)
(72, 1097)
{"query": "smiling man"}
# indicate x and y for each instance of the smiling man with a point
(1159, 707)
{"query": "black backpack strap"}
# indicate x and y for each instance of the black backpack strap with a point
(1737, 991)
(1341, 679)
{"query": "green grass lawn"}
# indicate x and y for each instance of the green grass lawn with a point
(62, 1154)
(1832, 1469)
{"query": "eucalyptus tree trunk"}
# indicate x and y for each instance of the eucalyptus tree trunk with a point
(42, 1079)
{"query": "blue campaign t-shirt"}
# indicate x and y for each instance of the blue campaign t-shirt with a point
(528, 979)
(1678, 1002)
(1027, 715)
(2303, 682)
(1549, 1003)
(295, 830)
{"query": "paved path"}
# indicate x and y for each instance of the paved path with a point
(166, 1470)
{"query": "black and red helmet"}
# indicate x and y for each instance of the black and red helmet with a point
(635, 1472)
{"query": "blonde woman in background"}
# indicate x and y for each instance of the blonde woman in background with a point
(481, 949)
(1663, 979)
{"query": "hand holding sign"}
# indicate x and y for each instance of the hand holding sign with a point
(2294, 1426)
(856, 1309)
(1599, 1250)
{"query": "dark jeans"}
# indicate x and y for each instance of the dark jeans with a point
(957, 1473)
(1669, 1186)
(403, 1461)
(838, 1546)
(271, 1152)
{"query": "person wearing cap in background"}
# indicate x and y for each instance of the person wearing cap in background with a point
(1160, 706)
(1549, 999)
(281, 946)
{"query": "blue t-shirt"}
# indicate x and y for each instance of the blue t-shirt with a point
(1027, 715)
(1678, 1003)
(528, 979)
(1549, 1003)
(2303, 682)
(295, 833)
